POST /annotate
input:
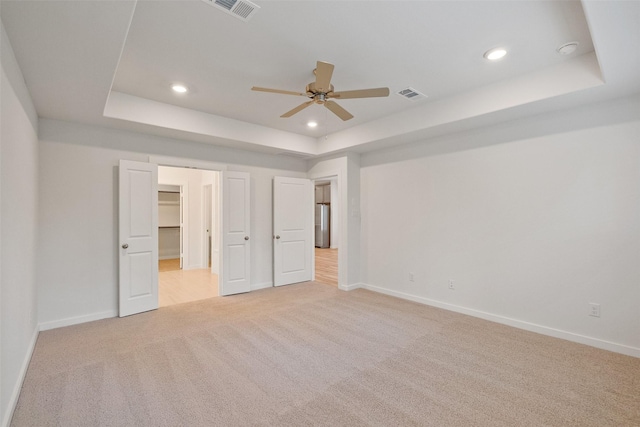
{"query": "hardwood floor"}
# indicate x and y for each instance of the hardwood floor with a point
(327, 266)
(169, 264)
(178, 286)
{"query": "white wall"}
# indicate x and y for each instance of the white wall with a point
(79, 204)
(168, 242)
(531, 230)
(354, 217)
(19, 227)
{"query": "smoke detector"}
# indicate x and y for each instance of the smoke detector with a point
(241, 9)
(567, 48)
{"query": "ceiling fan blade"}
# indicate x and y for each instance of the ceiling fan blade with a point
(284, 92)
(297, 109)
(324, 71)
(338, 110)
(362, 93)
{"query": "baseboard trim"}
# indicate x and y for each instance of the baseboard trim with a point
(527, 326)
(45, 326)
(13, 401)
(352, 286)
(257, 286)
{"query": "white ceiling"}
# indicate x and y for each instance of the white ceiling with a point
(111, 63)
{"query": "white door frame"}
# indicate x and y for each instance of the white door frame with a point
(338, 176)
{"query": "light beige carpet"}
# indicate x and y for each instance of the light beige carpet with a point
(310, 354)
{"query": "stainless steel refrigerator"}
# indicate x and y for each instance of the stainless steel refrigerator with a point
(322, 225)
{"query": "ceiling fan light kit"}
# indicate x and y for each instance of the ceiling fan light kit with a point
(322, 91)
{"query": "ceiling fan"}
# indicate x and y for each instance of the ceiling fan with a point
(321, 92)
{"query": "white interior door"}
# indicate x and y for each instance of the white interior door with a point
(181, 227)
(207, 191)
(292, 230)
(215, 224)
(138, 232)
(235, 276)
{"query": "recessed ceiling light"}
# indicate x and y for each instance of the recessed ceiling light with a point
(567, 48)
(179, 88)
(312, 124)
(495, 54)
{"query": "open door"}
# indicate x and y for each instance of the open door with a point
(207, 225)
(138, 232)
(235, 275)
(182, 204)
(292, 230)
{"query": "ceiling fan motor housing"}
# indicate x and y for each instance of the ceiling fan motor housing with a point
(318, 97)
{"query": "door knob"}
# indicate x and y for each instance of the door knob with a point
(277, 236)
(246, 237)
(125, 246)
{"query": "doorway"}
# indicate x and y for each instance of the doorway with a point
(327, 232)
(187, 216)
(138, 287)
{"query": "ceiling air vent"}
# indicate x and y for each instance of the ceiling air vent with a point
(411, 93)
(241, 9)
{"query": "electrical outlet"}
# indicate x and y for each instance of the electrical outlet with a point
(594, 309)
(412, 277)
(451, 284)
